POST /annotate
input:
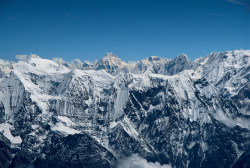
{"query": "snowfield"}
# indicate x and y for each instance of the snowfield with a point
(156, 112)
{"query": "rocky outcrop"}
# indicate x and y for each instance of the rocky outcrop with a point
(185, 114)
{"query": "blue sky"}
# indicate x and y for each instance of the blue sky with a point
(132, 29)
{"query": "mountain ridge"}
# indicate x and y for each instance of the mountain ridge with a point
(177, 112)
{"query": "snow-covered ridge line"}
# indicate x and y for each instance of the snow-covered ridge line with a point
(213, 68)
(113, 65)
(157, 107)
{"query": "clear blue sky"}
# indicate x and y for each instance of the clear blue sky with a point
(132, 29)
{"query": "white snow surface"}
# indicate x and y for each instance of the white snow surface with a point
(135, 161)
(36, 75)
(64, 129)
(5, 129)
(66, 120)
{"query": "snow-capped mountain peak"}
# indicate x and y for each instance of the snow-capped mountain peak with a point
(178, 112)
(182, 58)
(111, 63)
(112, 60)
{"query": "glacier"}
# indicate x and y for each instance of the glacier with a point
(170, 112)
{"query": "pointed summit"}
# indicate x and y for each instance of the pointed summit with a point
(111, 63)
(182, 57)
(177, 65)
(110, 55)
(182, 60)
(112, 59)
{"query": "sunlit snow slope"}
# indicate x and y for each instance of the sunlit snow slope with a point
(175, 112)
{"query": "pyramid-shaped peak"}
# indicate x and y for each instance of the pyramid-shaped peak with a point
(182, 57)
(110, 62)
(110, 55)
(112, 59)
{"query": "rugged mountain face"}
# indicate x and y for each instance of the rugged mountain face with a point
(111, 64)
(153, 64)
(176, 112)
(5, 67)
(177, 65)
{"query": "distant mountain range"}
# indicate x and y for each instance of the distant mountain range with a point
(176, 112)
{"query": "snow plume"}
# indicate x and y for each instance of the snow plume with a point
(135, 161)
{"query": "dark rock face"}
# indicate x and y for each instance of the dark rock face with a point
(209, 145)
(177, 65)
(244, 160)
(5, 155)
(125, 145)
(79, 150)
(197, 118)
(22, 159)
(2, 111)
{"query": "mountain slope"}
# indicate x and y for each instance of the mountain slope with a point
(177, 112)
